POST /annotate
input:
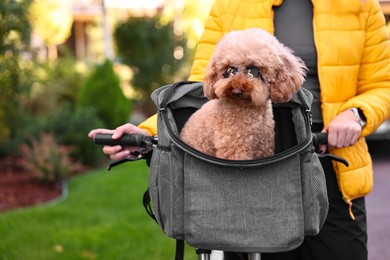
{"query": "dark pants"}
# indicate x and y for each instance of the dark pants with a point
(340, 238)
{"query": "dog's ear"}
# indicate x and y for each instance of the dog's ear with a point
(290, 75)
(211, 77)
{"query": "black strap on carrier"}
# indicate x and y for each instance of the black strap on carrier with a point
(179, 255)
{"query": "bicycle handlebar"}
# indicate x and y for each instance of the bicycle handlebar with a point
(148, 142)
(320, 138)
(144, 140)
(126, 140)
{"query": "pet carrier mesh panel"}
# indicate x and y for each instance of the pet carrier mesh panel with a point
(263, 205)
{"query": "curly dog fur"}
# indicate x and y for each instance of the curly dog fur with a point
(237, 122)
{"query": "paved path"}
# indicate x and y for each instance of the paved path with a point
(378, 207)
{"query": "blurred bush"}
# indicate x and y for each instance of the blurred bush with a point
(153, 51)
(70, 126)
(46, 87)
(53, 83)
(50, 104)
(102, 92)
(54, 147)
(15, 32)
(48, 161)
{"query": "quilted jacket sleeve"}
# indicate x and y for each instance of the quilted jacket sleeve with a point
(373, 90)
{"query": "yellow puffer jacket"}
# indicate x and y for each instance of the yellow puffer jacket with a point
(353, 67)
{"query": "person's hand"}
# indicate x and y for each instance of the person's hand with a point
(118, 152)
(343, 131)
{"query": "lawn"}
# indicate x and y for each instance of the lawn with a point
(102, 217)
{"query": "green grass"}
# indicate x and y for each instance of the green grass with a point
(101, 218)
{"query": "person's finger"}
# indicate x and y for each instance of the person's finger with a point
(125, 129)
(322, 148)
(121, 155)
(332, 138)
(355, 137)
(341, 138)
(99, 130)
(107, 149)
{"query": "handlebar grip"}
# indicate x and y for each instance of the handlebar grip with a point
(320, 138)
(124, 140)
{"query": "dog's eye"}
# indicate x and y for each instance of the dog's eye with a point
(229, 72)
(253, 72)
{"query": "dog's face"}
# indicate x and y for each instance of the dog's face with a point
(252, 66)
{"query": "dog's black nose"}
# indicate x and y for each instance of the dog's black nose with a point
(237, 93)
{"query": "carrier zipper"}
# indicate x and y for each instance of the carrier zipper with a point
(171, 89)
(240, 163)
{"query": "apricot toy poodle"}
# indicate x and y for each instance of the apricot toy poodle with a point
(248, 71)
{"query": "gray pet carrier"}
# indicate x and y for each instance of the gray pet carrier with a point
(263, 205)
